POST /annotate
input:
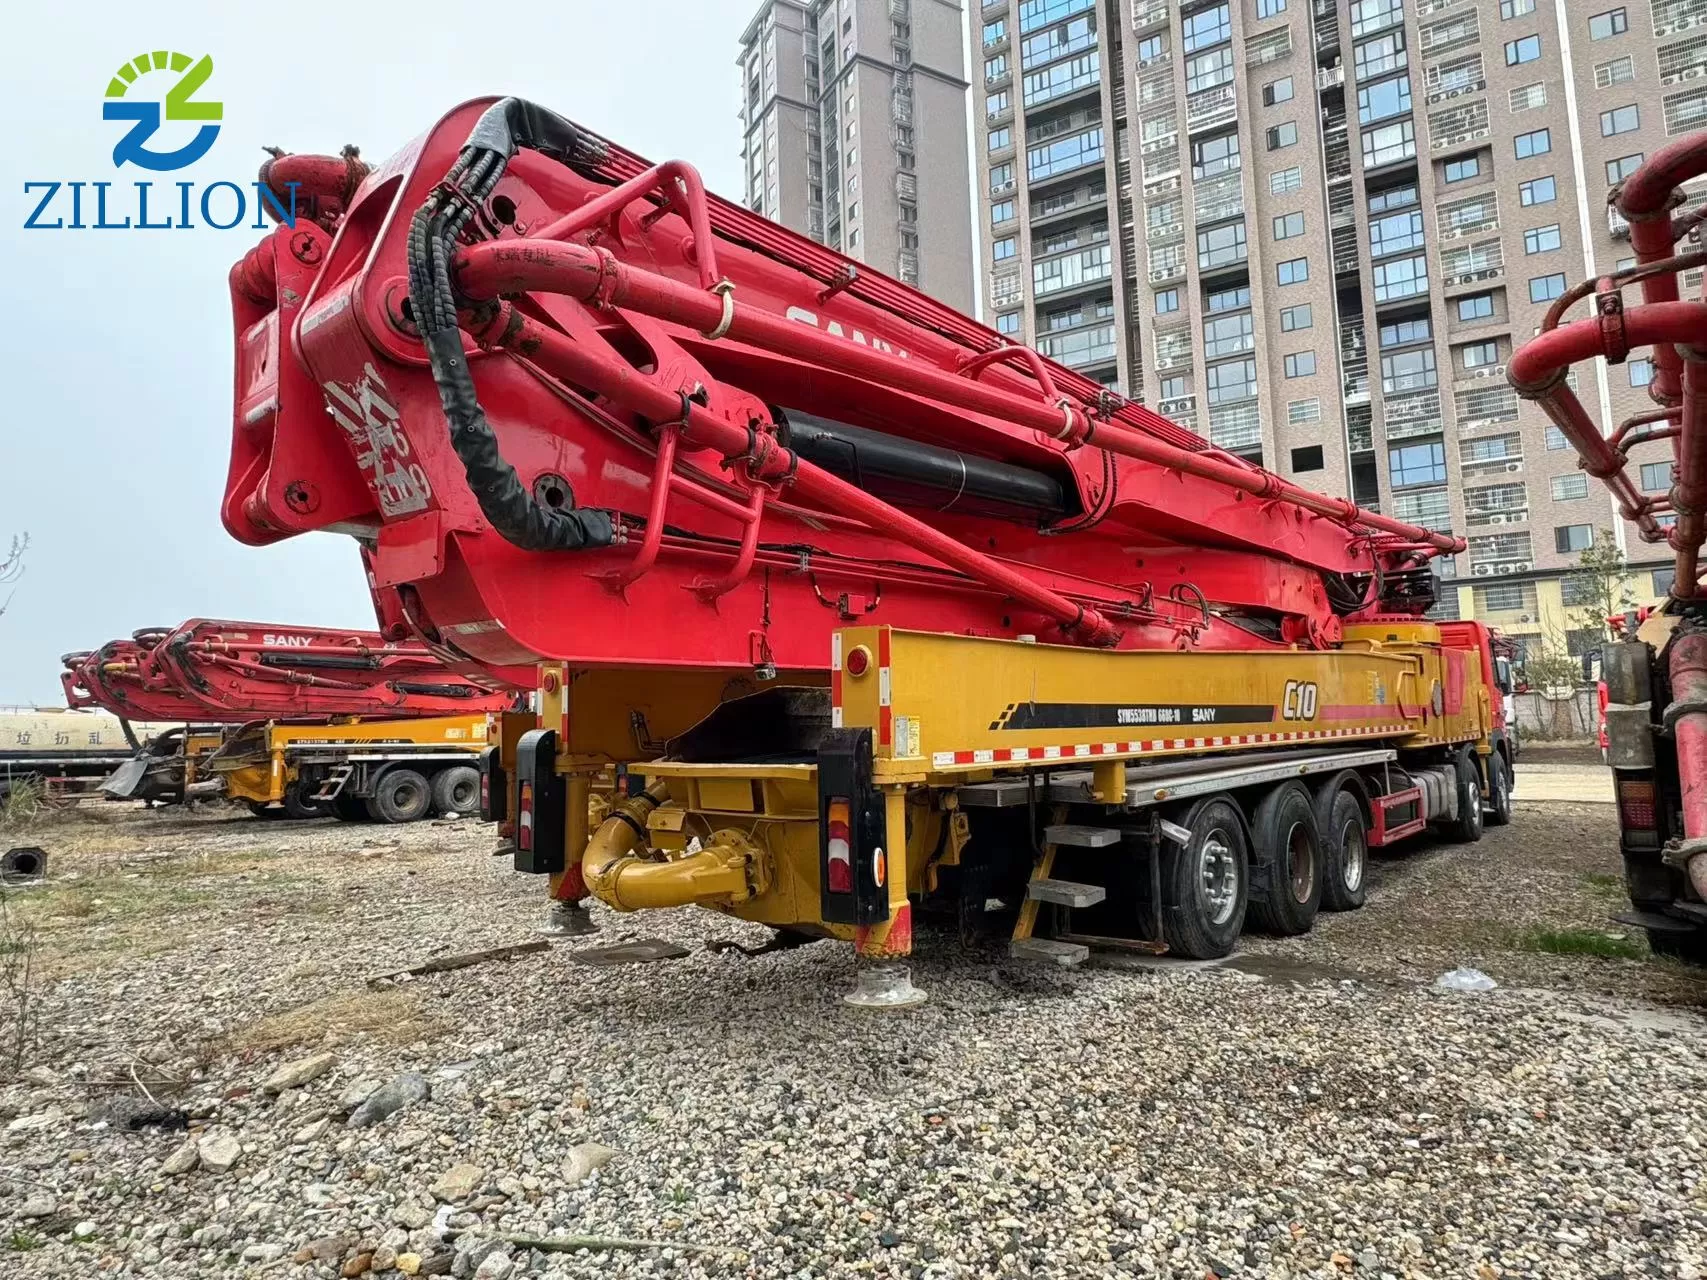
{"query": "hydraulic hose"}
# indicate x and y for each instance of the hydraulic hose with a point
(504, 500)
(619, 878)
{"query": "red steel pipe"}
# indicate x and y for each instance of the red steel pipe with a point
(663, 473)
(580, 365)
(1688, 665)
(594, 275)
(1645, 201)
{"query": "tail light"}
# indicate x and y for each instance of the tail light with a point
(1636, 804)
(524, 820)
(485, 793)
(837, 849)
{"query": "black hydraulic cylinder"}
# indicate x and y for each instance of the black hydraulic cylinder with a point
(927, 476)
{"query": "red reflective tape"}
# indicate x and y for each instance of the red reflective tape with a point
(885, 725)
(836, 687)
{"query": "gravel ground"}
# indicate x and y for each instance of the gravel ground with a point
(1316, 1109)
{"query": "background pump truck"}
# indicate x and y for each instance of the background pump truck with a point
(859, 603)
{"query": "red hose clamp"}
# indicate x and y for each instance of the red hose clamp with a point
(1609, 307)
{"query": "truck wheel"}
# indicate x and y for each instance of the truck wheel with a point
(1289, 848)
(1499, 792)
(456, 790)
(1345, 845)
(400, 795)
(349, 807)
(1691, 948)
(1466, 828)
(1206, 884)
(299, 805)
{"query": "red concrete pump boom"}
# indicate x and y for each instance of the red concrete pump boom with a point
(237, 672)
(575, 408)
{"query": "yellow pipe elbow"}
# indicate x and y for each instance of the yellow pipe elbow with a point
(620, 879)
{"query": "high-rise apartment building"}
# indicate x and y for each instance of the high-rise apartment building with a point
(1314, 231)
(854, 119)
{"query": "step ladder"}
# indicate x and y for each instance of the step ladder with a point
(1068, 948)
(333, 786)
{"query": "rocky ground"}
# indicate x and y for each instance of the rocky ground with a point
(205, 1029)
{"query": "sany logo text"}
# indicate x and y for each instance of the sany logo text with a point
(272, 641)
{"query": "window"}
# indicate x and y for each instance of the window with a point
(1528, 97)
(1008, 322)
(1000, 212)
(1282, 135)
(1407, 371)
(1003, 249)
(1277, 92)
(1384, 98)
(1150, 48)
(1292, 271)
(1207, 70)
(1516, 8)
(1381, 55)
(1167, 301)
(1603, 26)
(853, 211)
(1001, 177)
(1476, 306)
(1001, 138)
(1283, 181)
(1389, 143)
(1295, 318)
(1309, 458)
(1618, 71)
(1621, 168)
(1207, 27)
(1215, 155)
(1064, 154)
(1409, 464)
(1232, 380)
(1569, 488)
(1462, 170)
(1556, 439)
(1302, 412)
(1402, 333)
(1663, 580)
(1537, 191)
(1173, 388)
(1288, 225)
(1502, 597)
(1300, 364)
(1268, 8)
(1541, 239)
(1546, 288)
(1571, 538)
(995, 68)
(1537, 143)
(1401, 278)
(1524, 49)
(1221, 246)
(1620, 120)
(1641, 372)
(1228, 335)
(1392, 198)
(995, 31)
(1229, 299)
(1395, 233)
(1656, 477)
(1478, 355)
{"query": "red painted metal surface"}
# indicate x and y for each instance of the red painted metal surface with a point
(636, 345)
(235, 672)
(1688, 668)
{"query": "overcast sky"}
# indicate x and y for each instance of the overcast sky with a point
(116, 348)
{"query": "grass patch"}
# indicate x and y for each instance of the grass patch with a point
(22, 1242)
(394, 1017)
(1605, 882)
(1580, 942)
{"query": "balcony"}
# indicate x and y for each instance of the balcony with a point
(1467, 217)
(1006, 289)
(1157, 134)
(1347, 260)
(1236, 427)
(1455, 79)
(1485, 406)
(1210, 107)
(1416, 413)
(1325, 22)
(1080, 348)
(1045, 210)
(1269, 48)
(1074, 270)
(1674, 16)
(1167, 262)
(1472, 265)
(1153, 14)
(1425, 8)
(1370, 16)
(1451, 33)
(1173, 347)
(1218, 199)
(1616, 225)
(1329, 78)
(907, 187)
(1359, 430)
(1458, 126)
(1178, 407)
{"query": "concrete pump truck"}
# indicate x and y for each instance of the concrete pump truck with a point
(838, 606)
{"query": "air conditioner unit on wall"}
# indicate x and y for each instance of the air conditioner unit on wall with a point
(1482, 570)
(1514, 466)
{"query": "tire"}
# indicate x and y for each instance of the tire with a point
(298, 805)
(1206, 883)
(1289, 849)
(1345, 845)
(1691, 948)
(262, 809)
(1466, 828)
(1499, 792)
(400, 795)
(456, 790)
(349, 807)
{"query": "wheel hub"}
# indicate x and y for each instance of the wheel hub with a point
(1218, 872)
(1351, 840)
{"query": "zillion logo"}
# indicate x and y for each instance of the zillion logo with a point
(166, 128)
